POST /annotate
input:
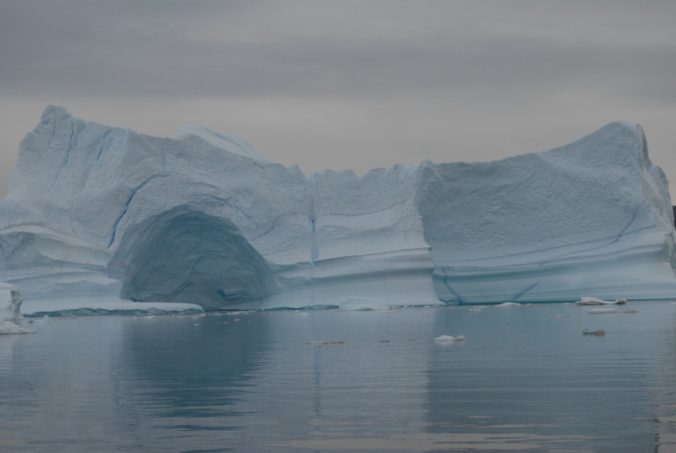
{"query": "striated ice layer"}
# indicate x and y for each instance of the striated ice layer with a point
(592, 217)
(101, 305)
(108, 213)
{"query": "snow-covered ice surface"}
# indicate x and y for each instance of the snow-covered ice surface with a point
(96, 212)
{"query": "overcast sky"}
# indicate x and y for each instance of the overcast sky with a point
(346, 84)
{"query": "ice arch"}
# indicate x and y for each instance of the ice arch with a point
(185, 255)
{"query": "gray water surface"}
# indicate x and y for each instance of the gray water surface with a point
(526, 379)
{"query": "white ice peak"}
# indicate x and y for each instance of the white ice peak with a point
(219, 139)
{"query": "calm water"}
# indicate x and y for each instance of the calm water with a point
(526, 379)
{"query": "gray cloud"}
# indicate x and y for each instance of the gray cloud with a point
(346, 83)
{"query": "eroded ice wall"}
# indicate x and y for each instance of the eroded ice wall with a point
(591, 217)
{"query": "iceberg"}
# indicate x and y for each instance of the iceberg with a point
(107, 213)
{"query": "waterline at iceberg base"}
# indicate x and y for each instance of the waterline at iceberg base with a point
(96, 212)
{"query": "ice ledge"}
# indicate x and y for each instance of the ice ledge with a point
(88, 306)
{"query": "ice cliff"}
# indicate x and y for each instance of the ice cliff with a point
(101, 211)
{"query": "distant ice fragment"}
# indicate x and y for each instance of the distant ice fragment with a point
(236, 313)
(597, 333)
(596, 301)
(508, 305)
(448, 339)
(10, 302)
(10, 328)
(320, 343)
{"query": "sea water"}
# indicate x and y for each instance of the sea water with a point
(524, 379)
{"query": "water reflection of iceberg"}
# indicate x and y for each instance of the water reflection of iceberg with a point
(194, 368)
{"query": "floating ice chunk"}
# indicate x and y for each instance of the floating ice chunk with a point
(320, 343)
(596, 301)
(10, 302)
(236, 313)
(597, 333)
(448, 339)
(591, 301)
(508, 305)
(10, 328)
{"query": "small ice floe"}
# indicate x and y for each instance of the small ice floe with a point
(508, 304)
(10, 310)
(10, 302)
(448, 339)
(9, 328)
(596, 333)
(596, 301)
(236, 313)
(324, 342)
(478, 308)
